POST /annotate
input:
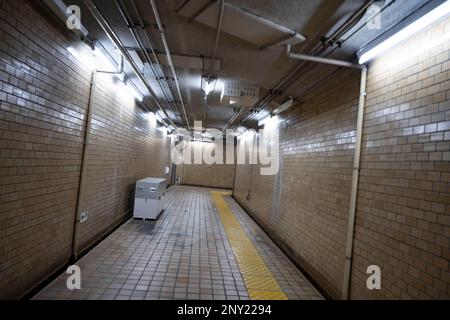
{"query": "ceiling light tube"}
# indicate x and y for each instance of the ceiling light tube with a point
(411, 29)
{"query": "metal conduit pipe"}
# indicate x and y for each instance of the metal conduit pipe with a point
(169, 58)
(349, 23)
(287, 80)
(99, 17)
(340, 63)
(201, 10)
(182, 5)
(124, 13)
(216, 45)
(60, 10)
(354, 190)
(321, 60)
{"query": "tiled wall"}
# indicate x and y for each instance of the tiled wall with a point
(403, 206)
(215, 176)
(43, 99)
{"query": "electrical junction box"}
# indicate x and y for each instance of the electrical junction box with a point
(149, 198)
(239, 94)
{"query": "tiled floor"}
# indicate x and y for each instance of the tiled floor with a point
(184, 255)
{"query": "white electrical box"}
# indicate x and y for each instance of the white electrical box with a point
(149, 198)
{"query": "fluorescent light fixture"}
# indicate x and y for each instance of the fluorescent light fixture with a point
(407, 32)
(97, 60)
(283, 107)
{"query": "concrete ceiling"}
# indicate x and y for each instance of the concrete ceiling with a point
(241, 61)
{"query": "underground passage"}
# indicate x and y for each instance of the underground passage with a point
(248, 150)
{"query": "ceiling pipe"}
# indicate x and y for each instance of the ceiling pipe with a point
(201, 10)
(320, 59)
(343, 41)
(285, 106)
(80, 206)
(125, 15)
(61, 12)
(219, 30)
(160, 72)
(231, 120)
(169, 58)
(118, 43)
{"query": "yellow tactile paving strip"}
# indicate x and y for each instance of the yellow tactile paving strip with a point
(260, 283)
